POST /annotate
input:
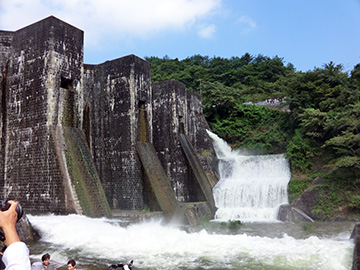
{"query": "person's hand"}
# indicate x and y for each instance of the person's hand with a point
(8, 217)
(8, 220)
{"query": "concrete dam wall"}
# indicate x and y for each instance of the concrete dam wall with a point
(70, 132)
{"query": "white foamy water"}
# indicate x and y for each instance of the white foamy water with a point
(155, 246)
(251, 188)
(97, 243)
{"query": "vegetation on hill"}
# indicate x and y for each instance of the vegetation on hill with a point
(319, 133)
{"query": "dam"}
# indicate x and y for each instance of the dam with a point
(74, 137)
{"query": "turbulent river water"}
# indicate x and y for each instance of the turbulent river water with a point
(97, 243)
(250, 190)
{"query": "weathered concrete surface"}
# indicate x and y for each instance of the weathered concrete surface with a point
(43, 54)
(84, 185)
(46, 90)
(6, 38)
(177, 111)
(199, 172)
(42, 94)
(158, 180)
(186, 213)
(116, 92)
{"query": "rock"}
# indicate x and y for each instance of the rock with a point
(292, 214)
(25, 231)
(309, 200)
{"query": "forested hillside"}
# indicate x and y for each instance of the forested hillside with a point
(318, 128)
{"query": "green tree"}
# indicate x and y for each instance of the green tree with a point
(345, 142)
(300, 152)
(325, 89)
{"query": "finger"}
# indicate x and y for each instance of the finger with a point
(13, 205)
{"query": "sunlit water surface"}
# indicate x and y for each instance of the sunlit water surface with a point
(97, 243)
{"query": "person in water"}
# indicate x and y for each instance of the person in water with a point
(71, 265)
(121, 266)
(16, 255)
(127, 266)
(44, 264)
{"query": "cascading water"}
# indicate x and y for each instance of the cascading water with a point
(251, 188)
(97, 243)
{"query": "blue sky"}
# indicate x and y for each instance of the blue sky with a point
(306, 33)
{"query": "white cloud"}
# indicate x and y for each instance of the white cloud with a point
(248, 24)
(117, 18)
(206, 31)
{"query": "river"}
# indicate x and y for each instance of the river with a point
(97, 243)
(251, 189)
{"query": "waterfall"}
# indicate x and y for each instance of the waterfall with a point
(251, 188)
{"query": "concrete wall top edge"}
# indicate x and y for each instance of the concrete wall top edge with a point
(123, 63)
(90, 66)
(53, 21)
(50, 21)
(49, 32)
(126, 59)
(4, 32)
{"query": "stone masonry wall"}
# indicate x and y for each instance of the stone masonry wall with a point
(6, 38)
(170, 112)
(177, 111)
(196, 131)
(116, 90)
(45, 54)
(61, 120)
(197, 125)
